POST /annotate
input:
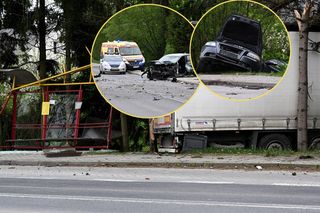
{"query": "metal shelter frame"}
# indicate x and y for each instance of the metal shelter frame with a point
(44, 142)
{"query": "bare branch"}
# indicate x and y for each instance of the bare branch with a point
(298, 17)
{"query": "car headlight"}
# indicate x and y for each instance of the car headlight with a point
(211, 43)
(143, 61)
(122, 65)
(106, 66)
(253, 55)
(125, 61)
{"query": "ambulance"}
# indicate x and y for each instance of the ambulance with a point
(129, 51)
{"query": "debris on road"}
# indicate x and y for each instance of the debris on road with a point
(259, 167)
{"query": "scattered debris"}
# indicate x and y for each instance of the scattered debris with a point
(87, 173)
(232, 93)
(220, 158)
(62, 153)
(303, 157)
(259, 167)
(147, 178)
(294, 173)
(196, 156)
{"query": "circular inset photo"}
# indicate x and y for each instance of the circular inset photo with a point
(140, 61)
(240, 50)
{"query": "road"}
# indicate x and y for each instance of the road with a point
(239, 86)
(141, 97)
(237, 92)
(58, 189)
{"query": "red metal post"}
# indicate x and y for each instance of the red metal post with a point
(77, 120)
(14, 117)
(44, 117)
(109, 128)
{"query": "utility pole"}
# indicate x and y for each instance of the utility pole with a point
(303, 24)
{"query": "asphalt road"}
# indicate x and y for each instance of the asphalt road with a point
(239, 86)
(237, 92)
(124, 190)
(141, 97)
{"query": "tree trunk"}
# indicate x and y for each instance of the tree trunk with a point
(124, 131)
(302, 116)
(153, 145)
(42, 39)
(67, 13)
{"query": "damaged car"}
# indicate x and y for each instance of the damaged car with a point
(169, 66)
(237, 47)
(274, 65)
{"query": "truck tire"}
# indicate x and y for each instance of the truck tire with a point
(275, 141)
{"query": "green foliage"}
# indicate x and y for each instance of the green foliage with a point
(138, 134)
(243, 151)
(5, 118)
(275, 40)
(15, 19)
(156, 30)
(191, 9)
(178, 34)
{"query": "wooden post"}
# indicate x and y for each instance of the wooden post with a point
(153, 144)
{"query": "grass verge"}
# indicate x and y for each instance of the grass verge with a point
(260, 152)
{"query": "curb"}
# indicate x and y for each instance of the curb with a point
(241, 166)
(247, 85)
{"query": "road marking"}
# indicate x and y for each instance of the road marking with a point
(297, 184)
(205, 182)
(117, 180)
(161, 201)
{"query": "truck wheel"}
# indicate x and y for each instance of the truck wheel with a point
(275, 141)
(315, 143)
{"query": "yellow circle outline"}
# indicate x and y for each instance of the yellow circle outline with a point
(91, 65)
(234, 99)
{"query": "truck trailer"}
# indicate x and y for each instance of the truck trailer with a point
(267, 122)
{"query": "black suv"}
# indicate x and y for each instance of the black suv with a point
(238, 47)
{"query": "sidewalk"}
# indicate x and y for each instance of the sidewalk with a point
(247, 162)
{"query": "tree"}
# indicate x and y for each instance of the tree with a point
(14, 21)
(303, 21)
(42, 38)
(124, 131)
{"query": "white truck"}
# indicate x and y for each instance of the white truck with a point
(267, 122)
